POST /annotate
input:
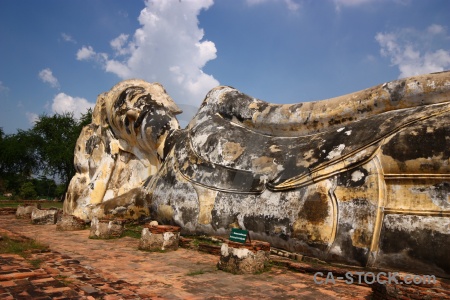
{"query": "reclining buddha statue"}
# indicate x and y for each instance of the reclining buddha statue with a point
(361, 179)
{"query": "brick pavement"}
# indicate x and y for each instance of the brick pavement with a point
(81, 268)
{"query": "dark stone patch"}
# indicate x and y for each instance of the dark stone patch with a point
(364, 109)
(333, 121)
(407, 146)
(397, 92)
(189, 214)
(354, 215)
(351, 253)
(92, 143)
(220, 220)
(235, 105)
(438, 192)
(267, 225)
(414, 243)
(345, 178)
(315, 208)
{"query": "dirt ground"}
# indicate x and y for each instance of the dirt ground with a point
(81, 268)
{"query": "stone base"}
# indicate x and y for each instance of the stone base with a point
(44, 216)
(70, 223)
(106, 228)
(160, 237)
(242, 260)
(24, 211)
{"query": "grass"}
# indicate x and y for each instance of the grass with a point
(22, 248)
(36, 263)
(63, 279)
(133, 231)
(194, 273)
(44, 204)
(197, 240)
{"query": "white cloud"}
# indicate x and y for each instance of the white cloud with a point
(352, 2)
(355, 3)
(167, 48)
(64, 103)
(3, 88)
(85, 53)
(68, 38)
(292, 5)
(119, 43)
(416, 52)
(46, 76)
(436, 29)
(32, 117)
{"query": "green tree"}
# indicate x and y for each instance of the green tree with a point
(44, 186)
(56, 137)
(19, 155)
(18, 159)
(27, 191)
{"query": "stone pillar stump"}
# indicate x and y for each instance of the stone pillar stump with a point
(24, 211)
(106, 228)
(70, 223)
(159, 237)
(44, 216)
(249, 258)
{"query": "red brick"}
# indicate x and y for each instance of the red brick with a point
(7, 283)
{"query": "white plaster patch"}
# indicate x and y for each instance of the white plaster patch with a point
(414, 87)
(224, 250)
(431, 83)
(168, 235)
(348, 132)
(336, 250)
(340, 129)
(241, 252)
(336, 151)
(357, 175)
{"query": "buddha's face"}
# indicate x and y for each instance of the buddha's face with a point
(142, 114)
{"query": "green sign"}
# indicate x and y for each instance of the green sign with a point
(239, 235)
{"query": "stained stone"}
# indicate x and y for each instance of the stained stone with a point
(106, 228)
(70, 223)
(360, 179)
(160, 237)
(25, 211)
(241, 260)
(44, 216)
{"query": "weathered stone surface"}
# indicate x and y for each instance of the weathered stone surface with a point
(70, 223)
(154, 238)
(106, 228)
(242, 260)
(25, 211)
(348, 179)
(44, 216)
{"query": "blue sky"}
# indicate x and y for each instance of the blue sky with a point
(59, 55)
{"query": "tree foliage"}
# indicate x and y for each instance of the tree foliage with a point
(46, 149)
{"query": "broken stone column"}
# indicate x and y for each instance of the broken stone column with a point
(159, 237)
(70, 223)
(106, 228)
(249, 258)
(44, 216)
(24, 211)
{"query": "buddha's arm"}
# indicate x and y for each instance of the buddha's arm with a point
(313, 117)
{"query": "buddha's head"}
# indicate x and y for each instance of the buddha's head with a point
(142, 114)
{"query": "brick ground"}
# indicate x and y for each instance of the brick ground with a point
(82, 268)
